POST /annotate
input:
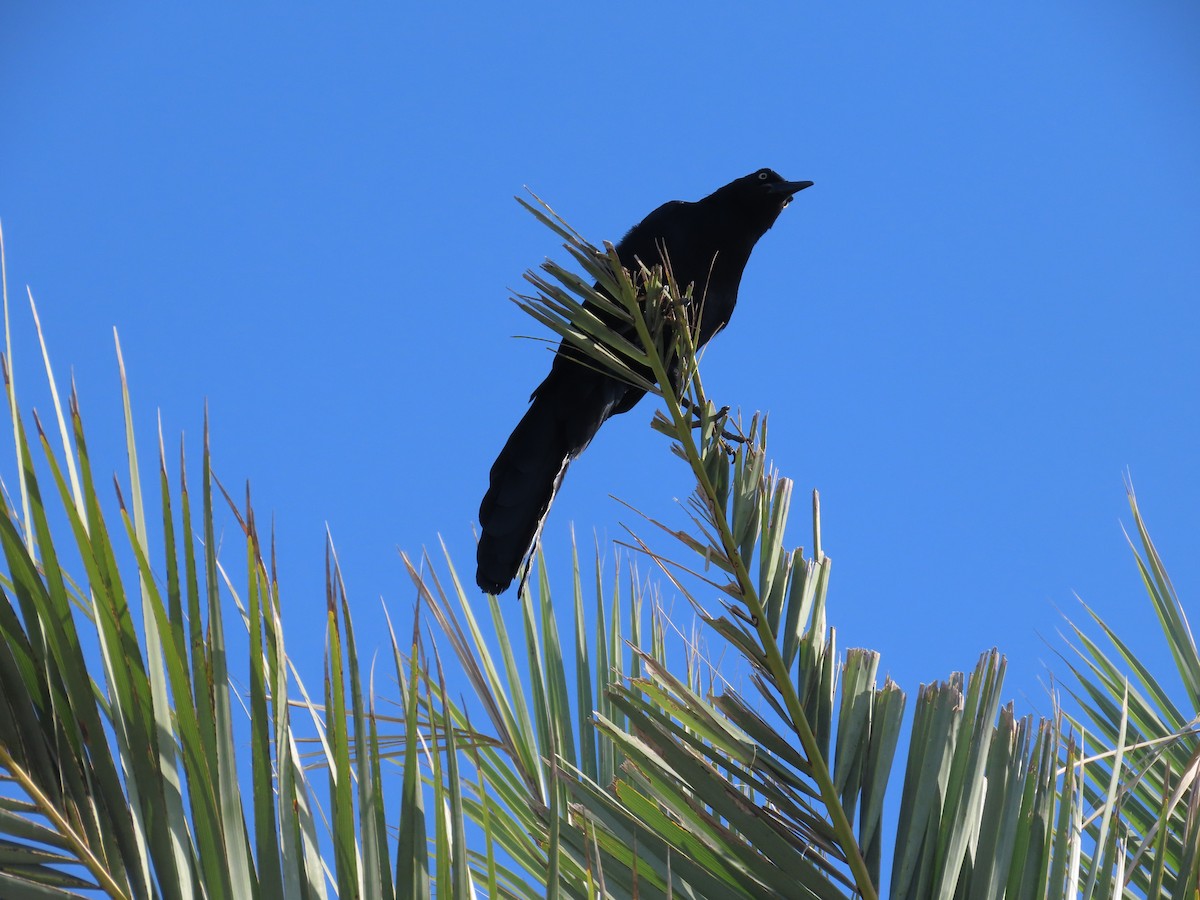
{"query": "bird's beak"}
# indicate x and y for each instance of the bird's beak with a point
(788, 188)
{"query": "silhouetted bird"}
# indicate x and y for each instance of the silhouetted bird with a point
(708, 244)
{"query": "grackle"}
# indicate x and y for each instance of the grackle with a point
(707, 244)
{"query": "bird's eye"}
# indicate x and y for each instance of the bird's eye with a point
(762, 176)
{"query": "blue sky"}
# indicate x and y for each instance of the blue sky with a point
(979, 318)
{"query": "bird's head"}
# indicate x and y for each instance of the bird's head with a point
(762, 194)
(768, 187)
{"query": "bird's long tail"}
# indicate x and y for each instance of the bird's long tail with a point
(568, 409)
(523, 482)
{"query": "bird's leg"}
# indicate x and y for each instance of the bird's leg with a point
(722, 413)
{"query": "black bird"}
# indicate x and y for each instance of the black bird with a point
(708, 244)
